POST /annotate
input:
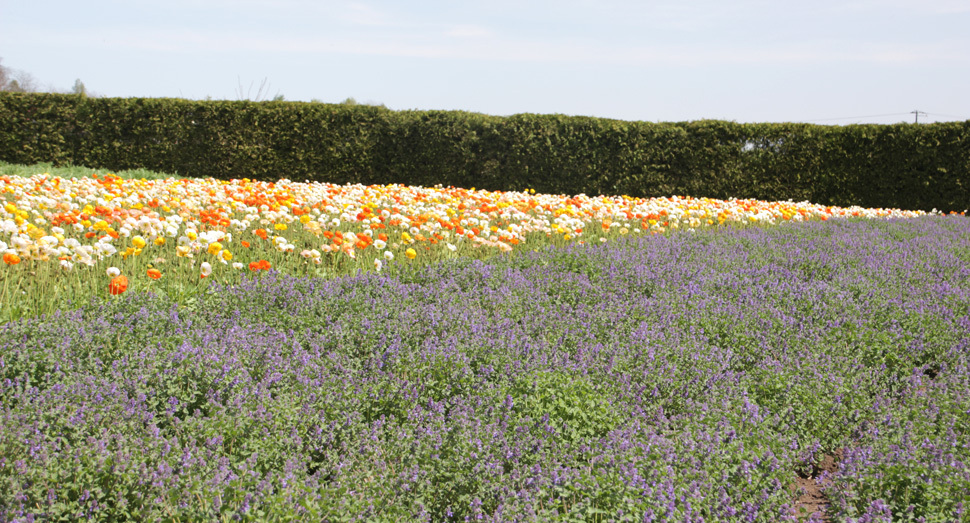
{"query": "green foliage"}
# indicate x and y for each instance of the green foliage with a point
(904, 166)
(571, 405)
(77, 171)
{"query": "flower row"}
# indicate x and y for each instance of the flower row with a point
(91, 219)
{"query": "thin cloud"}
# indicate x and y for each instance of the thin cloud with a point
(475, 42)
(468, 31)
(357, 13)
(931, 7)
(484, 46)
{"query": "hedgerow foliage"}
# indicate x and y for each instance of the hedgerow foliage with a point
(903, 166)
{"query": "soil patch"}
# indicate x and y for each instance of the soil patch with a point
(813, 501)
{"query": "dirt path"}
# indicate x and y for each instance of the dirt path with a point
(813, 501)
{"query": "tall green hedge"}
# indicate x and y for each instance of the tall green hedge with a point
(905, 165)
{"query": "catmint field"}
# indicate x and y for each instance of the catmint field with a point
(625, 373)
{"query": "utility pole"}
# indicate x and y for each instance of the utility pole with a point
(917, 113)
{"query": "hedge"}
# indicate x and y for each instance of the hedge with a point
(905, 166)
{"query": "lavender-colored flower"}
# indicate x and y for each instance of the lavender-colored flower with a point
(669, 378)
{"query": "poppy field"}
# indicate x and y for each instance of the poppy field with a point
(199, 350)
(100, 234)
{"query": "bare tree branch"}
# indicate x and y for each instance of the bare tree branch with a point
(261, 93)
(16, 81)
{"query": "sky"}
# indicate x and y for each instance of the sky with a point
(831, 62)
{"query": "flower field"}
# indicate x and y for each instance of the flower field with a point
(166, 234)
(200, 350)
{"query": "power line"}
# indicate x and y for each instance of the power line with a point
(947, 116)
(917, 114)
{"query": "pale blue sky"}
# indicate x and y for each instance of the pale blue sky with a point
(820, 61)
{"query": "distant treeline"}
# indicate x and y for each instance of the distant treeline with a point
(906, 166)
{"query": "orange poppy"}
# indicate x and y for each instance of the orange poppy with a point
(118, 285)
(154, 274)
(261, 265)
(11, 258)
